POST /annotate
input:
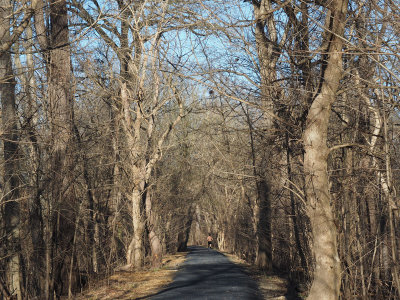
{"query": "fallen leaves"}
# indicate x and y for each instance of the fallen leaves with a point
(135, 284)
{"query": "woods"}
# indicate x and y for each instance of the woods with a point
(131, 129)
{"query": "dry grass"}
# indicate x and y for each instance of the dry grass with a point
(135, 284)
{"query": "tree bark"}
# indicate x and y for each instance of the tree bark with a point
(60, 99)
(268, 55)
(135, 256)
(155, 243)
(135, 251)
(294, 211)
(391, 207)
(327, 272)
(11, 193)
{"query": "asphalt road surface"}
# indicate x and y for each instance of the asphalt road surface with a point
(208, 274)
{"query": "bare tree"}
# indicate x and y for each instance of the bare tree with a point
(10, 31)
(327, 274)
(11, 182)
(60, 207)
(287, 152)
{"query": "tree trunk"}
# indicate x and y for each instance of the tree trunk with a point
(156, 250)
(391, 207)
(268, 55)
(264, 253)
(11, 175)
(327, 272)
(72, 259)
(294, 210)
(35, 207)
(115, 193)
(61, 225)
(135, 253)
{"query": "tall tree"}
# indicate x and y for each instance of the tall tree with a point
(60, 97)
(139, 30)
(268, 49)
(10, 31)
(11, 189)
(327, 273)
(60, 207)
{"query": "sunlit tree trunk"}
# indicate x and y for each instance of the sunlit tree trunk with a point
(131, 129)
(155, 243)
(327, 271)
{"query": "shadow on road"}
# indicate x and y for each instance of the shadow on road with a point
(208, 274)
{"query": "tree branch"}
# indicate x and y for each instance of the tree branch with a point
(17, 31)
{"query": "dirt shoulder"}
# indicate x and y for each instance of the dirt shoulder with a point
(135, 284)
(272, 287)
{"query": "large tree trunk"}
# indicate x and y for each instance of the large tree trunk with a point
(131, 129)
(264, 238)
(266, 42)
(35, 207)
(61, 216)
(327, 276)
(11, 187)
(135, 256)
(155, 243)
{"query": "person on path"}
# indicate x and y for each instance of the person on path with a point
(209, 240)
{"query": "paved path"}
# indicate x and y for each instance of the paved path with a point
(208, 274)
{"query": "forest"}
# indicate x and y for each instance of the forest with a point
(133, 128)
